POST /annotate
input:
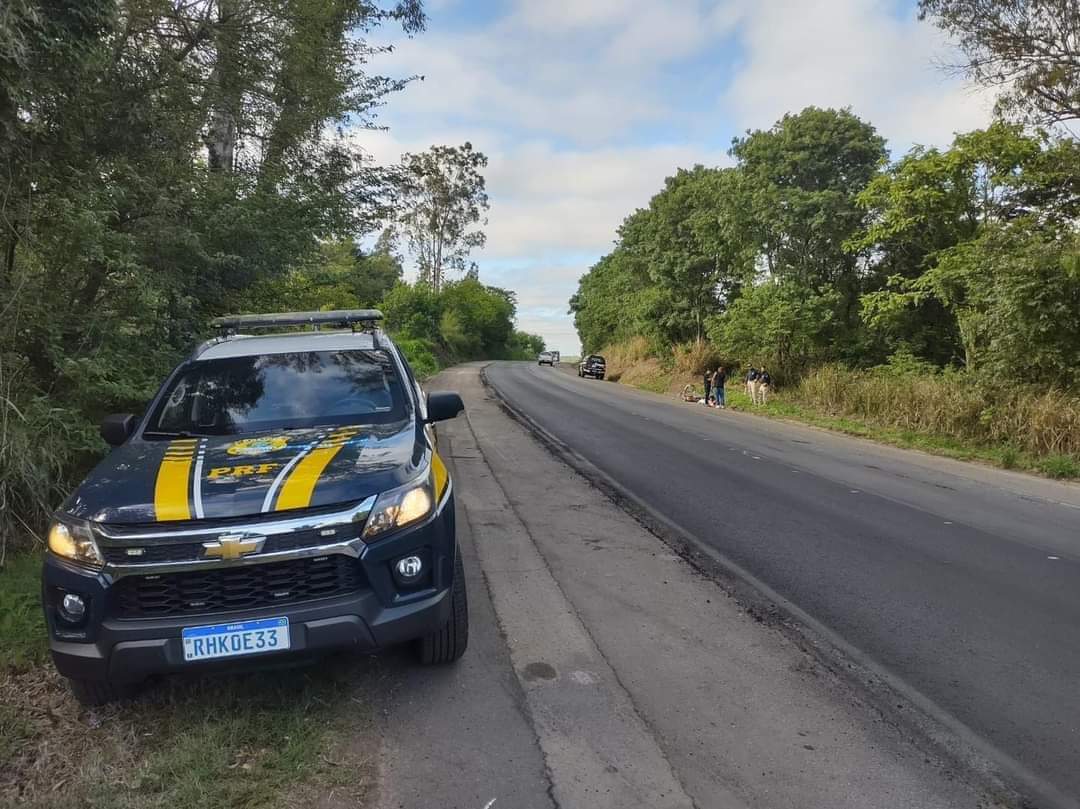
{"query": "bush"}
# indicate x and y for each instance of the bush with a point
(954, 403)
(697, 357)
(421, 356)
(42, 448)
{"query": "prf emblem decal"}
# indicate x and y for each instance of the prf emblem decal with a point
(257, 446)
(232, 546)
(242, 471)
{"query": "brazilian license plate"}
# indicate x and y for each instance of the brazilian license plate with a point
(234, 640)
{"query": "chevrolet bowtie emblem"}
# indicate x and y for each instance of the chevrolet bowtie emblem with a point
(232, 546)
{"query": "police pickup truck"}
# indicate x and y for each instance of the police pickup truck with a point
(281, 495)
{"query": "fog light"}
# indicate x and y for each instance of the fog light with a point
(72, 608)
(409, 567)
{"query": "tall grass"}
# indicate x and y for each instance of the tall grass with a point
(631, 356)
(1033, 428)
(1042, 422)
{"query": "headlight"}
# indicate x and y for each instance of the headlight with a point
(71, 539)
(400, 507)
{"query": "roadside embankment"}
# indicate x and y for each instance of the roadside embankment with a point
(952, 413)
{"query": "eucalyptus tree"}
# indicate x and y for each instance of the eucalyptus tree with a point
(441, 203)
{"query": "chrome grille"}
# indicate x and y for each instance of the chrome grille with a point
(243, 587)
(151, 552)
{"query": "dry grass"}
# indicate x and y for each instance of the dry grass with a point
(622, 357)
(694, 359)
(950, 413)
(233, 740)
(632, 363)
(1039, 422)
(247, 740)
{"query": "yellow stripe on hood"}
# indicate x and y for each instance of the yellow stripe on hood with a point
(173, 476)
(297, 490)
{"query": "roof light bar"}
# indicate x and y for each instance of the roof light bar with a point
(339, 317)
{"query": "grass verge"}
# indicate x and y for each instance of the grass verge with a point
(271, 738)
(1059, 466)
(22, 626)
(1006, 457)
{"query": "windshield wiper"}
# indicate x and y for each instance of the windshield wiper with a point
(163, 434)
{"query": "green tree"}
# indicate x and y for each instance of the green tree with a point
(413, 311)
(685, 238)
(441, 202)
(158, 159)
(801, 180)
(614, 300)
(975, 246)
(776, 323)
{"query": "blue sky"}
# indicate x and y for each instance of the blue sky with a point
(584, 106)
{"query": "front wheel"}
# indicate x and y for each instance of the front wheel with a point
(448, 643)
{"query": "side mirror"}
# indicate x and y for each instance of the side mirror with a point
(117, 428)
(442, 406)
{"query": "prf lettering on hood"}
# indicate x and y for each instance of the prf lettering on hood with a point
(243, 471)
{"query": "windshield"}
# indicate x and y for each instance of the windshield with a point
(281, 391)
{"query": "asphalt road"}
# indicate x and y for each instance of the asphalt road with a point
(964, 582)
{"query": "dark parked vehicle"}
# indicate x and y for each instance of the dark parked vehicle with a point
(593, 365)
(282, 495)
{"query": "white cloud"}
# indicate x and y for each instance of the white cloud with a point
(857, 53)
(567, 15)
(546, 200)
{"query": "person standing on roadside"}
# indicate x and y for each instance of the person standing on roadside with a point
(764, 385)
(751, 384)
(707, 382)
(719, 379)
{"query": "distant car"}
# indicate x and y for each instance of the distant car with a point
(555, 356)
(593, 365)
(546, 358)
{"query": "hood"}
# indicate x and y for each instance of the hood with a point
(218, 477)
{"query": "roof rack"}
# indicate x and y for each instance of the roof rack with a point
(231, 324)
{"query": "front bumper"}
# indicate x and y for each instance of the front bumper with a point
(376, 616)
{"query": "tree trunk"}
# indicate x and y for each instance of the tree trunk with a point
(8, 279)
(222, 126)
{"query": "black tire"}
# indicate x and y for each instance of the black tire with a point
(93, 693)
(448, 643)
(601, 377)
